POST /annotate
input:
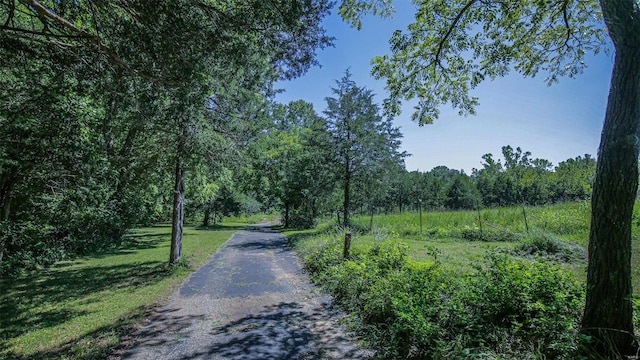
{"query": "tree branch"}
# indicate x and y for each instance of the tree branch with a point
(12, 8)
(43, 12)
(452, 26)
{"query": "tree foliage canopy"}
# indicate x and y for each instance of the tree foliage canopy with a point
(160, 40)
(365, 145)
(452, 46)
(101, 100)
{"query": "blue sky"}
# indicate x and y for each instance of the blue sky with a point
(554, 123)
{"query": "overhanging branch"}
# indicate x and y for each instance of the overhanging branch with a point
(43, 13)
(452, 26)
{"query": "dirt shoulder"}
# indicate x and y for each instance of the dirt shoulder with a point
(252, 300)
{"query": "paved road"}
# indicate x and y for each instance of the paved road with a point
(251, 301)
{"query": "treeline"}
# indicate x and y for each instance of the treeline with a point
(517, 180)
(300, 168)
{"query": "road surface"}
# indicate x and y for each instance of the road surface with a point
(252, 300)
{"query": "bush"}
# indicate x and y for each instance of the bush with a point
(299, 219)
(28, 246)
(347, 280)
(535, 301)
(508, 308)
(492, 235)
(408, 313)
(547, 245)
(323, 256)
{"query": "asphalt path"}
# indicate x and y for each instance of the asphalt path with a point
(252, 300)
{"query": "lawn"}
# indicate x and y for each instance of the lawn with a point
(80, 308)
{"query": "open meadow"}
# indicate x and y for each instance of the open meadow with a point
(467, 284)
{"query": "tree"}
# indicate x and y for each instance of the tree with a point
(70, 183)
(454, 45)
(573, 178)
(291, 154)
(363, 141)
(172, 57)
(461, 194)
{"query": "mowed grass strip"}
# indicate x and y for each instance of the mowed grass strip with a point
(80, 308)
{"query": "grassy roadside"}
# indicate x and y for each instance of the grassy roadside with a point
(80, 308)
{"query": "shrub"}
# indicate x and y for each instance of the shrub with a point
(348, 280)
(324, 255)
(508, 308)
(534, 301)
(493, 235)
(408, 313)
(28, 246)
(299, 219)
(547, 245)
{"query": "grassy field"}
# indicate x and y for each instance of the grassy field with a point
(466, 284)
(458, 238)
(80, 308)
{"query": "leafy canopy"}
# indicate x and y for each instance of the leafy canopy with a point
(454, 45)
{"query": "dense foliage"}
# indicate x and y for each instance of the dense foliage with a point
(506, 308)
(106, 106)
(99, 140)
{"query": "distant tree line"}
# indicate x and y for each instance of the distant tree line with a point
(300, 168)
(518, 180)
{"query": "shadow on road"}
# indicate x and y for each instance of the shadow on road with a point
(165, 321)
(279, 244)
(282, 331)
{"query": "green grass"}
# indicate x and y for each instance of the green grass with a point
(454, 236)
(486, 262)
(80, 308)
(570, 220)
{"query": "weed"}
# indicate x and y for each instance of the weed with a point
(547, 245)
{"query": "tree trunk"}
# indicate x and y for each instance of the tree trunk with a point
(207, 216)
(314, 208)
(286, 215)
(6, 207)
(178, 208)
(5, 201)
(608, 311)
(7, 184)
(371, 218)
(347, 199)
